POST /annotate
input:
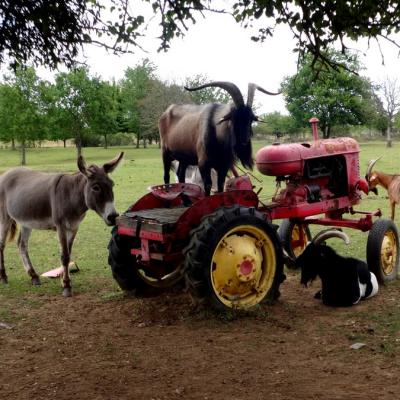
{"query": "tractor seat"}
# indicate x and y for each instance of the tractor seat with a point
(171, 191)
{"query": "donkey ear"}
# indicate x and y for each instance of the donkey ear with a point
(111, 165)
(82, 166)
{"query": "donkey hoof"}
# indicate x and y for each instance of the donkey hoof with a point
(67, 292)
(36, 281)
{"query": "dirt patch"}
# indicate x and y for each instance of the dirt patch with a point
(161, 348)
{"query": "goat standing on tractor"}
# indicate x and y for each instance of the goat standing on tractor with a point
(390, 182)
(209, 135)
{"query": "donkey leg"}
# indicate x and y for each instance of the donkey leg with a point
(70, 239)
(4, 228)
(65, 258)
(23, 250)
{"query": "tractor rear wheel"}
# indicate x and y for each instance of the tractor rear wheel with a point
(123, 263)
(294, 238)
(383, 250)
(234, 259)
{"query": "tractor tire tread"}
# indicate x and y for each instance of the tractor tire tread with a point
(375, 237)
(122, 263)
(196, 254)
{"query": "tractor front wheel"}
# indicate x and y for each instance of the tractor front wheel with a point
(383, 250)
(123, 263)
(294, 238)
(234, 259)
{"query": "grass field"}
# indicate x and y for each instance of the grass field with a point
(141, 168)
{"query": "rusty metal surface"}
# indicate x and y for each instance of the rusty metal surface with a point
(160, 215)
(154, 219)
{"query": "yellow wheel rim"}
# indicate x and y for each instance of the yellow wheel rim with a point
(243, 267)
(298, 240)
(389, 253)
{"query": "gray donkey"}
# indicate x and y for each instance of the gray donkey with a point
(57, 201)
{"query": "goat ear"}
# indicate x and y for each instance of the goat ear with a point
(225, 118)
(324, 252)
(257, 119)
(111, 165)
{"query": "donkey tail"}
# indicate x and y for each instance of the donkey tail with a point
(12, 231)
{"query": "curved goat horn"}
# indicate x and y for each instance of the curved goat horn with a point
(251, 90)
(329, 233)
(231, 88)
(371, 164)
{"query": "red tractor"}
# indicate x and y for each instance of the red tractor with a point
(227, 247)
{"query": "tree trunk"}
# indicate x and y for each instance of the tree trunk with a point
(13, 144)
(389, 136)
(23, 153)
(65, 143)
(327, 131)
(105, 141)
(137, 141)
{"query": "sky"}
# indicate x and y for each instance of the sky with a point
(220, 48)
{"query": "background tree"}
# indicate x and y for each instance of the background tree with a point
(7, 108)
(73, 105)
(56, 130)
(374, 111)
(134, 88)
(390, 95)
(207, 95)
(103, 112)
(159, 96)
(22, 112)
(336, 98)
(276, 124)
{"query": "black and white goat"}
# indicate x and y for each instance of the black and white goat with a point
(209, 135)
(345, 280)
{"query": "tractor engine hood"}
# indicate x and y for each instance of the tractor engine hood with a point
(288, 159)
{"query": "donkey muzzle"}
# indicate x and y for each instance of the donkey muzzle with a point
(111, 218)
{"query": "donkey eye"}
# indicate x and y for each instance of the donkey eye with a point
(96, 188)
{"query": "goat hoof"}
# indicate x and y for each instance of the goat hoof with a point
(67, 292)
(36, 281)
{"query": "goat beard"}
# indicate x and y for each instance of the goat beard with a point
(308, 275)
(244, 154)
